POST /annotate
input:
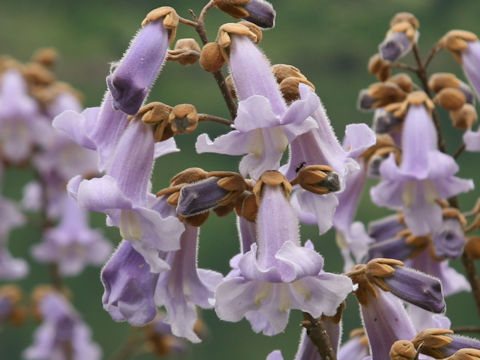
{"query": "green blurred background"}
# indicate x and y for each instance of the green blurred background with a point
(329, 40)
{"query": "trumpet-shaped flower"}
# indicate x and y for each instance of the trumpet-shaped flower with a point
(424, 175)
(123, 194)
(185, 286)
(278, 274)
(72, 244)
(264, 126)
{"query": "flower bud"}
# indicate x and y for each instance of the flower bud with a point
(46, 57)
(465, 354)
(449, 239)
(465, 117)
(157, 114)
(395, 45)
(402, 350)
(380, 94)
(283, 71)
(289, 88)
(450, 99)
(186, 52)
(247, 206)
(319, 179)
(403, 80)
(385, 122)
(258, 12)
(211, 58)
(183, 119)
(441, 343)
(379, 67)
(455, 41)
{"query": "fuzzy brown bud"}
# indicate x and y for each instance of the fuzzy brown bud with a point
(465, 354)
(289, 88)
(379, 67)
(157, 114)
(450, 99)
(318, 179)
(283, 71)
(247, 206)
(402, 350)
(46, 57)
(405, 17)
(439, 81)
(404, 81)
(211, 58)
(465, 117)
(170, 20)
(183, 119)
(186, 52)
(38, 75)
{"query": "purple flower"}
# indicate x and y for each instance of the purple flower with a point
(424, 175)
(351, 236)
(385, 321)
(356, 348)
(261, 13)
(452, 281)
(133, 76)
(123, 194)
(72, 244)
(98, 128)
(62, 335)
(395, 46)
(263, 126)
(20, 118)
(278, 274)
(320, 146)
(185, 286)
(129, 287)
(449, 239)
(471, 64)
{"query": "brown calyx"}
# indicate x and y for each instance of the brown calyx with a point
(37, 75)
(170, 20)
(385, 93)
(234, 8)
(157, 115)
(243, 28)
(379, 67)
(338, 315)
(439, 81)
(414, 98)
(465, 117)
(431, 340)
(465, 354)
(311, 177)
(247, 206)
(183, 119)
(404, 81)
(403, 350)
(45, 56)
(186, 52)
(211, 57)
(405, 17)
(272, 178)
(450, 98)
(455, 41)
(384, 146)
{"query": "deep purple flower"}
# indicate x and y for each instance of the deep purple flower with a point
(261, 13)
(278, 274)
(395, 46)
(184, 287)
(449, 239)
(452, 281)
(123, 194)
(133, 76)
(424, 175)
(129, 287)
(62, 335)
(264, 126)
(72, 244)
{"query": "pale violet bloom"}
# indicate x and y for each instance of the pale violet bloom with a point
(20, 119)
(133, 76)
(72, 244)
(424, 176)
(124, 195)
(184, 287)
(97, 128)
(63, 335)
(471, 64)
(264, 126)
(320, 146)
(278, 274)
(10, 217)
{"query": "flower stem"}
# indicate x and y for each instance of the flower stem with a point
(213, 118)
(317, 333)
(219, 78)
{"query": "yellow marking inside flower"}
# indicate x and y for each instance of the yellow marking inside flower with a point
(263, 292)
(130, 226)
(256, 143)
(279, 139)
(302, 289)
(430, 191)
(284, 303)
(409, 193)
